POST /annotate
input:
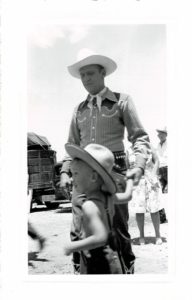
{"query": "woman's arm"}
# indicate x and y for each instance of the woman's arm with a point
(95, 225)
(121, 198)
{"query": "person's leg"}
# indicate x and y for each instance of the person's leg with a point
(162, 215)
(156, 223)
(75, 232)
(163, 182)
(32, 232)
(166, 181)
(163, 178)
(120, 223)
(35, 235)
(140, 217)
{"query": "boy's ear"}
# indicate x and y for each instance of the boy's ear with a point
(104, 188)
(103, 72)
(94, 176)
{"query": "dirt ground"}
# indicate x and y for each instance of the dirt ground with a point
(55, 226)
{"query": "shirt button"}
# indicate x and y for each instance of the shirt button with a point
(93, 140)
(93, 127)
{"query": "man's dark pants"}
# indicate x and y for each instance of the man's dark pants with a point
(120, 225)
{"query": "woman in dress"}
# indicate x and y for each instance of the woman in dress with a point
(147, 197)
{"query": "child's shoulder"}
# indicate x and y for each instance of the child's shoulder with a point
(95, 202)
(92, 210)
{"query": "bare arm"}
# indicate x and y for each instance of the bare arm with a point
(95, 226)
(122, 198)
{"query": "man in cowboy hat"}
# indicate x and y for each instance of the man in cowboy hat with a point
(163, 165)
(101, 118)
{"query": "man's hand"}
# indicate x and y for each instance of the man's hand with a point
(135, 174)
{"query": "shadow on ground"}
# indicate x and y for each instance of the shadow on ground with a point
(60, 209)
(148, 240)
(64, 210)
(39, 208)
(33, 256)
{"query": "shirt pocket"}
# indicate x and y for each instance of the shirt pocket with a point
(109, 113)
(82, 116)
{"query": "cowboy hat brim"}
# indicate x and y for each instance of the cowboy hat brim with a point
(106, 62)
(77, 152)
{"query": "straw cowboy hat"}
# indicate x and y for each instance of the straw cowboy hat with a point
(163, 129)
(97, 157)
(87, 57)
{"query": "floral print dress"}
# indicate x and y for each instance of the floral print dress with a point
(147, 196)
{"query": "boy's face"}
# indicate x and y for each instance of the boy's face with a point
(82, 175)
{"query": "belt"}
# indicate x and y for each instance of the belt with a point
(120, 161)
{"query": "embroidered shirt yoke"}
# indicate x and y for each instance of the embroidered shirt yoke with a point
(106, 125)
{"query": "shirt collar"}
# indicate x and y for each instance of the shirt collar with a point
(107, 94)
(101, 93)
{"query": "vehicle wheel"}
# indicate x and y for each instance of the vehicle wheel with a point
(52, 205)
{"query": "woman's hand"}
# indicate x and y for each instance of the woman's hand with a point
(135, 174)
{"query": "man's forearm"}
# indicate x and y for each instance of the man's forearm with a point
(66, 166)
(142, 150)
(136, 133)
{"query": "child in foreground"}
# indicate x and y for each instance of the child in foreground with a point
(92, 175)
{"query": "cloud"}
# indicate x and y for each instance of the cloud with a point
(77, 33)
(45, 36)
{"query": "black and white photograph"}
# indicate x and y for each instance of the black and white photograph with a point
(95, 149)
(63, 80)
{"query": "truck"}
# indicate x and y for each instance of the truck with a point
(44, 173)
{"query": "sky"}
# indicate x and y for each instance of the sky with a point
(139, 51)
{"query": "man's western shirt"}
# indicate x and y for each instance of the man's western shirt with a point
(106, 125)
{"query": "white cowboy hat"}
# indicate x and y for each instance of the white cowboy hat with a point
(163, 129)
(87, 57)
(99, 158)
